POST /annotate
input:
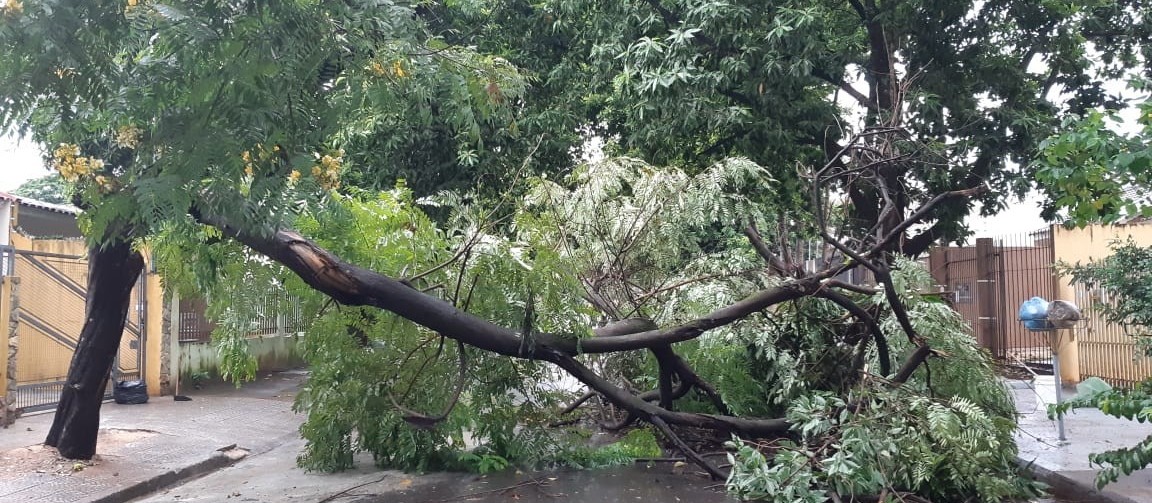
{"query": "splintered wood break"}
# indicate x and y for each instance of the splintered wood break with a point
(323, 267)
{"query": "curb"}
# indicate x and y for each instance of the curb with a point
(1065, 487)
(222, 458)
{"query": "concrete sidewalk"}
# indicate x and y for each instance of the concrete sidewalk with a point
(274, 477)
(1064, 465)
(145, 448)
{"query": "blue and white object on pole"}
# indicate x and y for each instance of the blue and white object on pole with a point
(1034, 314)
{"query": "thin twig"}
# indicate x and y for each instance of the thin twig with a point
(346, 492)
(469, 496)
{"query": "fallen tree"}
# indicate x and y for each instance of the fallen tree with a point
(862, 317)
(216, 131)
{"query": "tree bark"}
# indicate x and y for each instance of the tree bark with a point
(112, 273)
(352, 285)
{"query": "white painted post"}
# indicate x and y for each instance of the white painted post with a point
(1059, 388)
(174, 343)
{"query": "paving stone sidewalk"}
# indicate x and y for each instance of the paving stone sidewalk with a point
(143, 448)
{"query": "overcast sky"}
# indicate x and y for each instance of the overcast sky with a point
(19, 162)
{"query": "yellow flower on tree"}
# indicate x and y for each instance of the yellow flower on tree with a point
(13, 8)
(128, 137)
(67, 160)
(327, 172)
(105, 184)
(377, 69)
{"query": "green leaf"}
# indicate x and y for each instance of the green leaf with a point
(1091, 387)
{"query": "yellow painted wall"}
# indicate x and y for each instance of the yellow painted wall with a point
(1092, 243)
(60, 246)
(153, 327)
(1081, 246)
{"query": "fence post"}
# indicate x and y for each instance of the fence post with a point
(987, 314)
(174, 342)
(281, 325)
(1062, 288)
(938, 265)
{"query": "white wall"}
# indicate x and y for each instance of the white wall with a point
(5, 221)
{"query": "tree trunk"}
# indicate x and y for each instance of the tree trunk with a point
(112, 273)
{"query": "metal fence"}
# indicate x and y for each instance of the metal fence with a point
(274, 314)
(1107, 350)
(989, 280)
(1024, 270)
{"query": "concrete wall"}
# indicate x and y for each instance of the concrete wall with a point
(7, 215)
(72, 246)
(1095, 348)
(274, 352)
(1093, 243)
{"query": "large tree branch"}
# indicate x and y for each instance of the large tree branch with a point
(766, 253)
(739, 310)
(920, 243)
(625, 327)
(921, 212)
(860, 314)
(881, 72)
(353, 285)
(861, 98)
(860, 11)
(913, 362)
(646, 411)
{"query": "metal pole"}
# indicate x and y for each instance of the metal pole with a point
(1059, 390)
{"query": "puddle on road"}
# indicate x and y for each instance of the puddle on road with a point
(632, 484)
(638, 483)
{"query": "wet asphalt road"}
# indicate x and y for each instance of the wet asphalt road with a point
(631, 484)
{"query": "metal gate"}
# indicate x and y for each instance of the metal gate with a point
(990, 280)
(1108, 350)
(1025, 269)
(50, 317)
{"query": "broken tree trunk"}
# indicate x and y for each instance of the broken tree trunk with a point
(112, 273)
